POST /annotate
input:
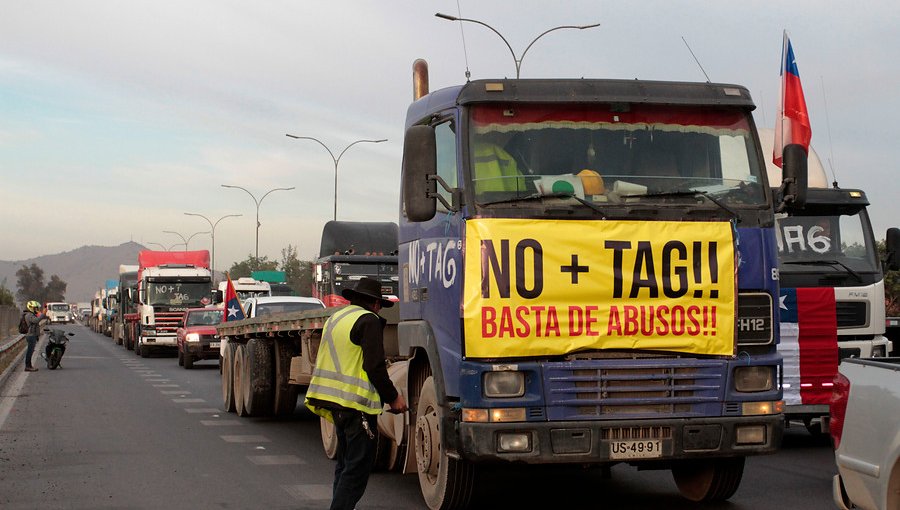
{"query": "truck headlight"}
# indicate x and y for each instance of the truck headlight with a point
(192, 337)
(505, 384)
(753, 379)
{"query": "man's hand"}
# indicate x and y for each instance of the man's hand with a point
(398, 405)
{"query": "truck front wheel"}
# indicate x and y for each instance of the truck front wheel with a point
(227, 382)
(329, 438)
(446, 483)
(708, 480)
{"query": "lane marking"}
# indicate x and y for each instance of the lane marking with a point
(275, 460)
(245, 439)
(165, 386)
(204, 410)
(314, 491)
(158, 380)
(175, 392)
(188, 400)
(12, 391)
(220, 423)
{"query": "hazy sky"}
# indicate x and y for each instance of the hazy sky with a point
(116, 117)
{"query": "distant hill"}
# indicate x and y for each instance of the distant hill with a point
(85, 269)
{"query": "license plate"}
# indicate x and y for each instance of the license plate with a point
(213, 344)
(643, 449)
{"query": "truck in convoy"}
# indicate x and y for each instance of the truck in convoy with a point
(168, 283)
(245, 287)
(110, 305)
(94, 319)
(588, 276)
(832, 290)
(59, 313)
(865, 432)
(352, 250)
(125, 323)
(277, 282)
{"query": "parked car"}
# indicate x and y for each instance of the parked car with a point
(197, 339)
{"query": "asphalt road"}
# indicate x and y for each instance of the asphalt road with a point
(112, 430)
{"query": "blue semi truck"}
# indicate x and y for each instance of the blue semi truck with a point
(587, 276)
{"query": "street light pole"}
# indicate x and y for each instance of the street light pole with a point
(335, 159)
(163, 247)
(257, 202)
(212, 230)
(517, 60)
(186, 241)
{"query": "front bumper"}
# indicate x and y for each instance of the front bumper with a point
(201, 350)
(582, 442)
(161, 341)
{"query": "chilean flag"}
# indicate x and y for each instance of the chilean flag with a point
(808, 344)
(233, 309)
(792, 124)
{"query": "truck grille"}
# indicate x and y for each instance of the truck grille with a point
(852, 314)
(167, 322)
(754, 318)
(634, 389)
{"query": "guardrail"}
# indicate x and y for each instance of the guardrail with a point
(12, 344)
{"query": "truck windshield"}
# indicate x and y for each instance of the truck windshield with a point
(177, 294)
(59, 307)
(844, 242)
(346, 275)
(613, 153)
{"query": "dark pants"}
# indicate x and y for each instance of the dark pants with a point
(355, 458)
(31, 340)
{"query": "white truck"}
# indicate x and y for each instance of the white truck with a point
(169, 282)
(866, 434)
(832, 290)
(59, 313)
(245, 287)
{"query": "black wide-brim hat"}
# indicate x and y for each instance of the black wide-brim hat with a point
(369, 288)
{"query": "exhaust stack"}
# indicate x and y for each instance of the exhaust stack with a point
(420, 78)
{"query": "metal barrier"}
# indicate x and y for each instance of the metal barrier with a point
(12, 344)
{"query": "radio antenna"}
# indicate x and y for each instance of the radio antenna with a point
(828, 127)
(462, 34)
(695, 59)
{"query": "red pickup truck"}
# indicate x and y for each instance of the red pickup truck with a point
(198, 339)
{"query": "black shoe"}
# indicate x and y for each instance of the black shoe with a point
(31, 369)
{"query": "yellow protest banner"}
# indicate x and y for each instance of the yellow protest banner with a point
(551, 287)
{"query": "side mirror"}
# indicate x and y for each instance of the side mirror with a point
(419, 168)
(892, 242)
(794, 178)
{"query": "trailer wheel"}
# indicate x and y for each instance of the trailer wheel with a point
(256, 385)
(709, 480)
(329, 438)
(285, 393)
(446, 483)
(238, 376)
(228, 378)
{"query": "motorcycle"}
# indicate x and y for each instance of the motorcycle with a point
(56, 347)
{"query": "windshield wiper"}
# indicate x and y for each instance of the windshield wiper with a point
(831, 263)
(536, 196)
(690, 193)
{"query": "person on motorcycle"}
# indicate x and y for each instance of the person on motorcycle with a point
(33, 316)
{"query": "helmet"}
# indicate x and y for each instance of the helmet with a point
(592, 182)
(33, 306)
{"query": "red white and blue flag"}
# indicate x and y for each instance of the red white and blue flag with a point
(808, 344)
(233, 309)
(792, 124)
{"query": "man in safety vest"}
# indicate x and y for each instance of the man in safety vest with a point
(349, 384)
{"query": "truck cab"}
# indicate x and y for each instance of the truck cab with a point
(576, 259)
(59, 313)
(350, 251)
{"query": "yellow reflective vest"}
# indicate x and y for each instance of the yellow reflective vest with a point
(339, 376)
(496, 170)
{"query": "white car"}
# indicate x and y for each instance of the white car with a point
(268, 305)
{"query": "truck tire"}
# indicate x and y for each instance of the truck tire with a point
(238, 375)
(137, 348)
(329, 438)
(446, 483)
(285, 393)
(708, 480)
(256, 386)
(228, 378)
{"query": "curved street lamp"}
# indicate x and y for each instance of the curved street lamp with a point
(186, 241)
(163, 246)
(518, 60)
(257, 202)
(212, 233)
(335, 159)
